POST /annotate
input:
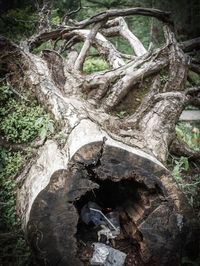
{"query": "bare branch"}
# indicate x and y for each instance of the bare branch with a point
(69, 14)
(104, 46)
(147, 103)
(160, 15)
(179, 148)
(145, 67)
(71, 59)
(177, 68)
(44, 23)
(118, 26)
(86, 46)
(189, 45)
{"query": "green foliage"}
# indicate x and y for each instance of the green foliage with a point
(55, 18)
(194, 78)
(189, 134)
(43, 46)
(14, 248)
(18, 23)
(122, 114)
(163, 78)
(190, 185)
(180, 165)
(184, 172)
(93, 64)
(10, 163)
(22, 121)
(122, 45)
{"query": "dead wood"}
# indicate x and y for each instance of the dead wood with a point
(179, 148)
(101, 153)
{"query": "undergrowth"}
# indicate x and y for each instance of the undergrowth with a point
(93, 64)
(21, 121)
(185, 171)
(13, 246)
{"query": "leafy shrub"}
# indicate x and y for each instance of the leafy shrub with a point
(14, 249)
(190, 185)
(10, 163)
(93, 64)
(21, 22)
(55, 18)
(22, 121)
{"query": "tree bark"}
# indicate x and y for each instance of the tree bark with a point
(118, 163)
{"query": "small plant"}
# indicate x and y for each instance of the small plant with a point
(55, 19)
(163, 78)
(22, 121)
(122, 114)
(189, 184)
(94, 64)
(43, 46)
(180, 165)
(189, 134)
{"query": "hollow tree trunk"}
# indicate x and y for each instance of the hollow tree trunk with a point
(116, 163)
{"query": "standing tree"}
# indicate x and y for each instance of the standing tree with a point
(117, 162)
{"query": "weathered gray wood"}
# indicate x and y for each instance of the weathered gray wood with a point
(190, 115)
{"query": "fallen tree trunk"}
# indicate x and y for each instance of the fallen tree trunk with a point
(117, 163)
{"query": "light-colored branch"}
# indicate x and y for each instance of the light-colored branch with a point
(103, 45)
(146, 67)
(118, 26)
(86, 46)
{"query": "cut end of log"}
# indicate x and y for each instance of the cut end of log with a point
(153, 230)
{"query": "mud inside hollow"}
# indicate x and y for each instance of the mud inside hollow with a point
(127, 199)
